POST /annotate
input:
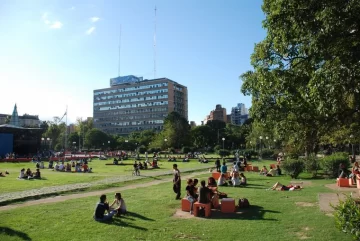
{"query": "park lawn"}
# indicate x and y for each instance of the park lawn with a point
(273, 215)
(11, 183)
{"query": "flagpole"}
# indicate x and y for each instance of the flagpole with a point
(66, 128)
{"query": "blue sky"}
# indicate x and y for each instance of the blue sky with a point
(55, 53)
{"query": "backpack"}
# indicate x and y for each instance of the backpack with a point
(243, 203)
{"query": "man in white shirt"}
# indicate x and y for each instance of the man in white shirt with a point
(61, 167)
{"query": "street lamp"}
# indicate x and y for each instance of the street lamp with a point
(74, 143)
(267, 138)
(109, 144)
(223, 139)
(260, 145)
(352, 145)
(274, 143)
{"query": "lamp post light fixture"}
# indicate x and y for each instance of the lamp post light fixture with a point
(223, 139)
(274, 143)
(267, 138)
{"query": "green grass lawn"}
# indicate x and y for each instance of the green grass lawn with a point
(273, 215)
(10, 183)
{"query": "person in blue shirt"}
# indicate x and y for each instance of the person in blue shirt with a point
(223, 168)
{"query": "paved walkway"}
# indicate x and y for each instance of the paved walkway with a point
(4, 197)
(96, 193)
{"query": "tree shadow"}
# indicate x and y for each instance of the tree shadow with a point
(253, 212)
(12, 232)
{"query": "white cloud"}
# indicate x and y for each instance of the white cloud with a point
(94, 19)
(56, 25)
(90, 30)
(53, 25)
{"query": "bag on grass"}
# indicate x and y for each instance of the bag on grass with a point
(243, 203)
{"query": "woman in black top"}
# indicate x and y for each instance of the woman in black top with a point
(190, 193)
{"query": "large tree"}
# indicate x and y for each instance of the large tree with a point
(306, 70)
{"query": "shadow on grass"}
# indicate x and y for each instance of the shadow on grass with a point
(119, 222)
(14, 233)
(254, 212)
(139, 216)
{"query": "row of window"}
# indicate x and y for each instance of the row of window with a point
(149, 92)
(127, 130)
(132, 111)
(137, 87)
(131, 106)
(130, 117)
(132, 123)
(155, 97)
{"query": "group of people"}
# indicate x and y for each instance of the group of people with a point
(28, 174)
(105, 211)
(272, 172)
(344, 172)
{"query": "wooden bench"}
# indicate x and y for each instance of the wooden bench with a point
(255, 169)
(207, 207)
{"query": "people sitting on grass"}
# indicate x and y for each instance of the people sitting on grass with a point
(222, 180)
(77, 167)
(29, 173)
(61, 167)
(235, 178)
(263, 171)
(243, 180)
(73, 163)
(51, 164)
(101, 208)
(85, 167)
(116, 161)
(37, 174)
(22, 174)
(279, 187)
(191, 196)
(186, 159)
(42, 165)
(118, 205)
(272, 172)
(68, 167)
(140, 166)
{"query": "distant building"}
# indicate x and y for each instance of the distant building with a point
(71, 128)
(133, 104)
(25, 120)
(218, 114)
(192, 123)
(239, 114)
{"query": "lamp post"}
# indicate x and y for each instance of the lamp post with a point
(109, 145)
(223, 139)
(260, 146)
(274, 143)
(267, 138)
(352, 145)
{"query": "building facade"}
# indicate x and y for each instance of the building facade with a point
(25, 120)
(218, 114)
(138, 104)
(239, 114)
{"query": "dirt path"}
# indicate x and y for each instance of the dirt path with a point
(95, 193)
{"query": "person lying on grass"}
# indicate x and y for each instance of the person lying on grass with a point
(3, 174)
(118, 205)
(279, 187)
(101, 208)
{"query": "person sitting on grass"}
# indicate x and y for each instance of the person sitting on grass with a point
(118, 205)
(42, 165)
(101, 208)
(243, 181)
(141, 167)
(278, 170)
(61, 167)
(235, 179)
(85, 167)
(29, 173)
(279, 187)
(263, 171)
(22, 174)
(222, 180)
(116, 162)
(37, 174)
(51, 164)
(3, 175)
(272, 172)
(68, 167)
(191, 196)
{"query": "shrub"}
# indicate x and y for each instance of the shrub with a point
(347, 217)
(330, 164)
(152, 150)
(312, 164)
(293, 167)
(185, 149)
(217, 147)
(249, 153)
(223, 152)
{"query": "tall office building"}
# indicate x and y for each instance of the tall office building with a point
(239, 114)
(218, 114)
(133, 104)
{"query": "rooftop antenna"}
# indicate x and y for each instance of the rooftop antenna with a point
(155, 45)
(119, 51)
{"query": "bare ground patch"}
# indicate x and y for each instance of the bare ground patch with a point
(305, 204)
(328, 199)
(302, 235)
(301, 183)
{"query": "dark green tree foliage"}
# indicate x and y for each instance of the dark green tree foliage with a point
(96, 139)
(176, 130)
(201, 136)
(306, 70)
